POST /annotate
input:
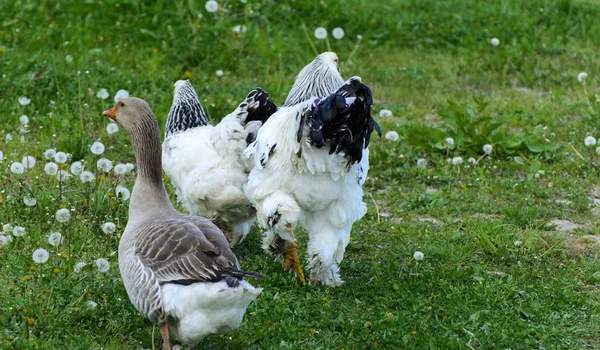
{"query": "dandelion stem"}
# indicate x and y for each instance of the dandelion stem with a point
(577, 152)
(587, 98)
(79, 100)
(376, 208)
(356, 46)
(327, 43)
(309, 39)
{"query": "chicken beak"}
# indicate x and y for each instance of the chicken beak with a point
(111, 113)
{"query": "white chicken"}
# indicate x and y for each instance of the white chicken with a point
(205, 162)
(311, 160)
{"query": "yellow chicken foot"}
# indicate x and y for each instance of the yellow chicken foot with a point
(291, 260)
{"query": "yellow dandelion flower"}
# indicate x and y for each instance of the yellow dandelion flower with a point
(324, 299)
(64, 255)
(155, 50)
(56, 271)
(64, 165)
(368, 324)
(187, 74)
(463, 186)
(24, 311)
(31, 268)
(110, 194)
(38, 243)
(2, 50)
(62, 205)
(413, 333)
(389, 314)
(481, 262)
(27, 277)
(30, 321)
(79, 217)
(102, 177)
(314, 331)
(429, 308)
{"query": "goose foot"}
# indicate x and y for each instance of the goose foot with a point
(291, 260)
(164, 332)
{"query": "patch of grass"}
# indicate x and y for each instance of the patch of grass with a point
(493, 276)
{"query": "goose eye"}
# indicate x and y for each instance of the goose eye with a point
(121, 104)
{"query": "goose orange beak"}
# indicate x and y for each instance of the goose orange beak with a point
(111, 113)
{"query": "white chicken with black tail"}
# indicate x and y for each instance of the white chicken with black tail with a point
(311, 160)
(205, 162)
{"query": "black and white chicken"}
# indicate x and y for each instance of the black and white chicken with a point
(205, 162)
(311, 160)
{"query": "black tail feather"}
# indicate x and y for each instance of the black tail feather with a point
(263, 110)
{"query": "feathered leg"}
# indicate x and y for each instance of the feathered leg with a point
(164, 332)
(326, 246)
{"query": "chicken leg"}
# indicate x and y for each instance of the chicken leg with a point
(291, 258)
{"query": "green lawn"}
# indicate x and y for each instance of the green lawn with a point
(510, 245)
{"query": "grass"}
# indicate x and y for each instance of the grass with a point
(498, 271)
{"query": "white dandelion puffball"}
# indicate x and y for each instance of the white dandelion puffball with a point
(68, 58)
(1, 155)
(50, 153)
(104, 164)
(103, 265)
(40, 256)
(392, 136)
(598, 150)
(60, 157)
(76, 168)
(24, 101)
(211, 6)
(109, 228)
(19, 231)
(421, 162)
(63, 215)
(86, 176)
(51, 168)
(418, 255)
(3, 240)
(589, 141)
(55, 239)
(120, 169)
(384, 113)
(17, 168)
(487, 148)
(457, 160)
(219, 73)
(7, 228)
(129, 167)
(9, 137)
(62, 175)
(581, 77)
(97, 148)
(24, 119)
(112, 128)
(495, 41)
(239, 29)
(449, 141)
(472, 160)
(517, 243)
(121, 94)
(122, 193)
(102, 94)
(29, 201)
(91, 305)
(320, 33)
(337, 33)
(359, 37)
(80, 265)
(28, 162)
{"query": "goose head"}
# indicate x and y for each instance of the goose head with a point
(130, 113)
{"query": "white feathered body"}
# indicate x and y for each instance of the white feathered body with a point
(201, 309)
(316, 189)
(206, 166)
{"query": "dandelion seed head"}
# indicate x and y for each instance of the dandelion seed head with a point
(103, 265)
(129, 167)
(385, 113)
(589, 141)
(97, 148)
(62, 175)
(239, 29)
(112, 128)
(17, 168)
(495, 41)
(68, 58)
(76, 168)
(40, 255)
(472, 160)
(457, 160)
(91, 305)
(122, 193)
(337, 33)
(7, 228)
(80, 265)
(517, 243)
(1, 155)
(55, 239)
(63, 215)
(50, 153)
(219, 73)
(102, 94)
(29, 201)
(9, 137)
(121, 94)
(392, 136)
(421, 162)
(418, 255)
(449, 141)
(60, 157)
(24, 119)
(320, 33)
(109, 228)
(104, 165)
(24, 101)
(28, 162)
(487, 148)
(51, 168)
(3, 240)
(87, 176)
(18, 231)
(211, 6)
(581, 77)
(120, 169)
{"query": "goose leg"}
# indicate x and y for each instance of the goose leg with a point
(164, 332)
(291, 258)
